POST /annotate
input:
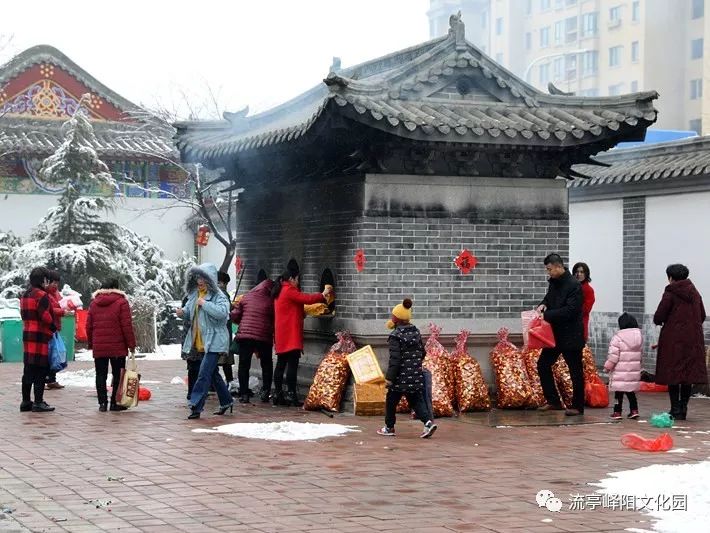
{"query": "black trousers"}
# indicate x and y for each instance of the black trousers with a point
(193, 370)
(619, 397)
(33, 376)
(51, 377)
(416, 402)
(287, 361)
(228, 374)
(573, 358)
(680, 393)
(101, 365)
(247, 347)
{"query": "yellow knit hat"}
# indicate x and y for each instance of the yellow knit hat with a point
(401, 312)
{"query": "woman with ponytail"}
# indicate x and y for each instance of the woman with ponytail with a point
(288, 331)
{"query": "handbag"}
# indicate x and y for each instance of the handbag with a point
(540, 334)
(128, 385)
(57, 353)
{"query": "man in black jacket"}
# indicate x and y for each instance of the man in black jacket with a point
(562, 308)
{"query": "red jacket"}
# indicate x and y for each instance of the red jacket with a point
(37, 326)
(255, 314)
(288, 309)
(587, 304)
(53, 294)
(109, 327)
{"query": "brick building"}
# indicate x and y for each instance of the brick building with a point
(413, 157)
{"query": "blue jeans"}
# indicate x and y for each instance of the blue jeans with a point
(209, 375)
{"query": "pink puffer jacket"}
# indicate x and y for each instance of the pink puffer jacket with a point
(624, 360)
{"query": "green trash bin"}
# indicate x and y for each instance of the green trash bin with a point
(67, 335)
(12, 349)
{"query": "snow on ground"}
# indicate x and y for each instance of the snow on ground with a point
(285, 431)
(164, 352)
(83, 378)
(681, 481)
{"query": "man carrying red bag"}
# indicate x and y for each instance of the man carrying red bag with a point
(562, 308)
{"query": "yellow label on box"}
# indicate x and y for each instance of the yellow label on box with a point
(364, 366)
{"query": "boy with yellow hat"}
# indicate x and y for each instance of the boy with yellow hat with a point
(404, 372)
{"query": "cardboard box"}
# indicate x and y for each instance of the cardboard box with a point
(365, 367)
(369, 399)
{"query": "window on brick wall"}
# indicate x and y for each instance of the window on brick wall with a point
(698, 9)
(544, 37)
(696, 48)
(615, 56)
(696, 125)
(589, 24)
(635, 52)
(696, 89)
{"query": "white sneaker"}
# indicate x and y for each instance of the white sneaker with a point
(428, 431)
(233, 387)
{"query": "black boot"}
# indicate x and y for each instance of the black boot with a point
(41, 407)
(685, 393)
(25, 406)
(278, 397)
(116, 407)
(244, 398)
(103, 407)
(265, 395)
(292, 399)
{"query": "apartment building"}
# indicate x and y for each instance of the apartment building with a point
(598, 47)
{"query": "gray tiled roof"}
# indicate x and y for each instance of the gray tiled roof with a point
(413, 94)
(673, 159)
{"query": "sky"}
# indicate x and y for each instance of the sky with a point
(259, 53)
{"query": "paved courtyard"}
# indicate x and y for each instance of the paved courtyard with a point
(81, 470)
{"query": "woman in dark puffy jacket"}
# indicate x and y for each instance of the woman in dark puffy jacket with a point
(109, 329)
(255, 315)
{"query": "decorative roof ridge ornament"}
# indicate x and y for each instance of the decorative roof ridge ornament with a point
(336, 65)
(457, 29)
(552, 89)
(237, 119)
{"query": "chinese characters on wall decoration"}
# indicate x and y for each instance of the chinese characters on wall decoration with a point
(465, 261)
(360, 260)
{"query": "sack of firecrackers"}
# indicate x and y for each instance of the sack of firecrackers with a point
(514, 390)
(530, 357)
(469, 386)
(332, 376)
(438, 362)
(588, 366)
(563, 381)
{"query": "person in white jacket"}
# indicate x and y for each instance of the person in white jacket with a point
(624, 365)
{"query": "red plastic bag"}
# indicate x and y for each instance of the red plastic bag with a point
(540, 334)
(81, 316)
(144, 394)
(595, 392)
(653, 387)
(662, 443)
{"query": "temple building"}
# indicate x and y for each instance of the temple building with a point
(39, 89)
(385, 172)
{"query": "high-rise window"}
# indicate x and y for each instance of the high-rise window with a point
(589, 24)
(545, 73)
(696, 125)
(558, 31)
(698, 9)
(570, 29)
(499, 26)
(635, 52)
(545, 5)
(590, 62)
(616, 89)
(635, 11)
(696, 89)
(545, 37)
(614, 16)
(571, 67)
(558, 67)
(634, 86)
(615, 56)
(696, 48)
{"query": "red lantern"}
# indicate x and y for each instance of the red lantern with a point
(360, 260)
(465, 261)
(203, 235)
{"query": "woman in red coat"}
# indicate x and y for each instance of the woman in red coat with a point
(37, 330)
(680, 361)
(288, 331)
(581, 272)
(109, 329)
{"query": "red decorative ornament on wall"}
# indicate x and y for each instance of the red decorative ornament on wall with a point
(465, 261)
(360, 260)
(238, 264)
(203, 235)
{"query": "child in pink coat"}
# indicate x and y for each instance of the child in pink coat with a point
(624, 365)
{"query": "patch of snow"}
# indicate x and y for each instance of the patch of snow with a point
(84, 378)
(164, 352)
(503, 427)
(678, 450)
(689, 481)
(84, 355)
(283, 431)
(546, 520)
(700, 396)
(177, 380)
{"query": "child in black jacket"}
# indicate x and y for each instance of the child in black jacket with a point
(404, 373)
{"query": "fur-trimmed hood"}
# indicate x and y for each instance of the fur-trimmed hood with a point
(207, 271)
(105, 297)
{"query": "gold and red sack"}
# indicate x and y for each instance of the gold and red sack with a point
(469, 386)
(438, 362)
(332, 376)
(530, 357)
(563, 381)
(514, 389)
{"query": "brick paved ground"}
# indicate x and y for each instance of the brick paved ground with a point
(469, 477)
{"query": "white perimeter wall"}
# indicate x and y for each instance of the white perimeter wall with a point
(596, 238)
(20, 213)
(677, 231)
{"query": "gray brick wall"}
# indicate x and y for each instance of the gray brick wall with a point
(634, 238)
